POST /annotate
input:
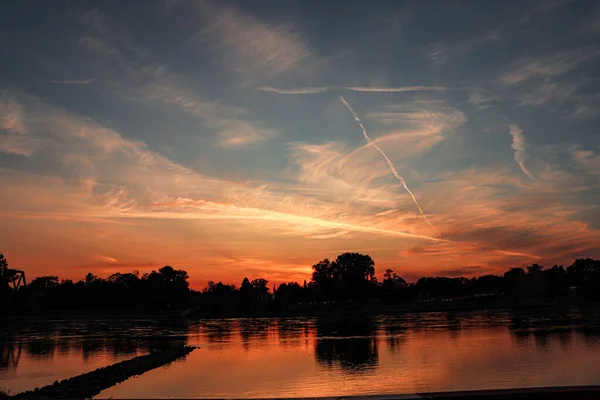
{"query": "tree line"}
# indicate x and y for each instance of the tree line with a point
(349, 279)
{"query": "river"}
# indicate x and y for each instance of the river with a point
(332, 356)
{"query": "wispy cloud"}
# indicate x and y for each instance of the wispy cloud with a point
(11, 115)
(141, 184)
(305, 90)
(74, 81)
(327, 172)
(107, 259)
(233, 124)
(587, 159)
(441, 52)
(391, 165)
(560, 81)
(249, 45)
(21, 145)
(412, 128)
(376, 89)
(519, 146)
(14, 137)
(549, 66)
(482, 101)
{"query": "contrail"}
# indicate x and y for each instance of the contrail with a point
(377, 89)
(400, 89)
(392, 168)
(305, 90)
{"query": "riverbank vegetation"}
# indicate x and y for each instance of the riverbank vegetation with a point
(347, 282)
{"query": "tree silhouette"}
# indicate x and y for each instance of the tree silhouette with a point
(514, 282)
(344, 284)
(260, 286)
(392, 281)
(350, 276)
(393, 287)
(3, 272)
(44, 282)
(355, 268)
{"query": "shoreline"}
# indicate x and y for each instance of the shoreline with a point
(363, 310)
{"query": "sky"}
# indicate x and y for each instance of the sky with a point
(255, 138)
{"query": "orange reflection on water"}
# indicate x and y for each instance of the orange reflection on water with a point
(322, 357)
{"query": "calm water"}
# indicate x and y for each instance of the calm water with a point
(313, 356)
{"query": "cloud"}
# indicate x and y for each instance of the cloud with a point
(489, 216)
(305, 90)
(14, 137)
(391, 165)
(329, 235)
(108, 259)
(233, 124)
(482, 101)
(249, 45)
(327, 173)
(375, 89)
(74, 81)
(519, 146)
(138, 183)
(11, 115)
(463, 271)
(415, 127)
(400, 89)
(549, 66)
(19, 144)
(559, 80)
(150, 80)
(587, 159)
(441, 52)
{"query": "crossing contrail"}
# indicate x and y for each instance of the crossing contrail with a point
(392, 168)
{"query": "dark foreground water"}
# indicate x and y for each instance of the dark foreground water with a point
(316, 356)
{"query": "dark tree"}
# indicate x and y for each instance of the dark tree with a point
(3, 279)
(44, 282)
(325, 273)
(355, 268)
(514, 282)
(393, 287)
(392, 281)
(260, 286)
(350, 276)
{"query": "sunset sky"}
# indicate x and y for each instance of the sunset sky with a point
(226, 138)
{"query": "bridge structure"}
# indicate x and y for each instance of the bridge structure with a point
(11, 278)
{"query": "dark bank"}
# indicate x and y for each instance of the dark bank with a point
(344, 286)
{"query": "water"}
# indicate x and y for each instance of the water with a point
(316, 356)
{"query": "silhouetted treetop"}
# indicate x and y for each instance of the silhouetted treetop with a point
(348, 280)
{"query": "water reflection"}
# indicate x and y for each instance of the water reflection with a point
(217, 332)
(395, 332)
(42, 342)
(349, 343)
(542, 328)
(437, 351)
(254, 332)
(293, 333)
(10, 352)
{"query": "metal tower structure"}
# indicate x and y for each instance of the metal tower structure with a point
(11, 278)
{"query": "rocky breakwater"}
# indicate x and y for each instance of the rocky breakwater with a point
(92, 383)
